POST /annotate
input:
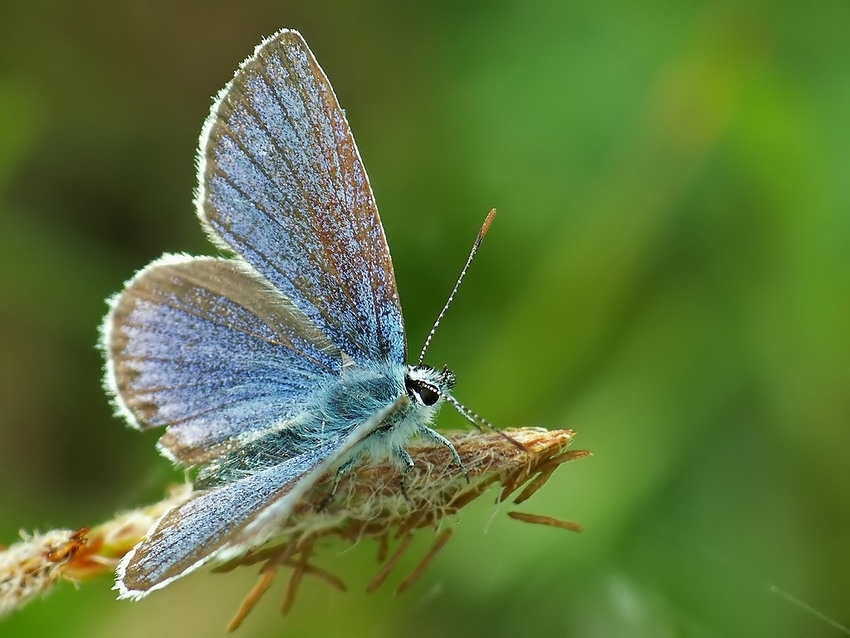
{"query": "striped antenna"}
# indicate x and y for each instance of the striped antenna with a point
(481, 233)
(479, 421)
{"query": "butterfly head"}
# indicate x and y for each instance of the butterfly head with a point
(426, 385)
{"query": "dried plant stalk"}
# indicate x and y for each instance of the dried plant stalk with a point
(32, 566)
(371, 502)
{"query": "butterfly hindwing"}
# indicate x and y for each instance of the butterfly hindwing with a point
(190, 534)
(223, 522)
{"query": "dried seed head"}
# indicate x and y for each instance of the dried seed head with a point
(369, 503)
(372, 503)
(34, 565)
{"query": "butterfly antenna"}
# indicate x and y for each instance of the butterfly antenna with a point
(481, 233)
(480, 422)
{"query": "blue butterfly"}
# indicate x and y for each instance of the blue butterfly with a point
(286, 361)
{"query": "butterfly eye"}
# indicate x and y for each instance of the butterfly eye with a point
(428, 395)
(424, 392)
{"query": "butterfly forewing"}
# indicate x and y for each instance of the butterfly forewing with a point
(205, 347)
(282, 185)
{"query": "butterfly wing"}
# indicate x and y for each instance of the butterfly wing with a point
(190, 534)
(283, 186)
(206, 347)
(224, 522)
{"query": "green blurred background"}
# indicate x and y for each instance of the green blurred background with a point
(669, 275)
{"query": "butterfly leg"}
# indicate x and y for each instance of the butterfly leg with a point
(338, 477)
(405, 463)
(424, 430)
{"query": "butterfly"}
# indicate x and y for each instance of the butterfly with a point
(286, 360)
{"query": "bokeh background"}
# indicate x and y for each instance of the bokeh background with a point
(669, 275)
